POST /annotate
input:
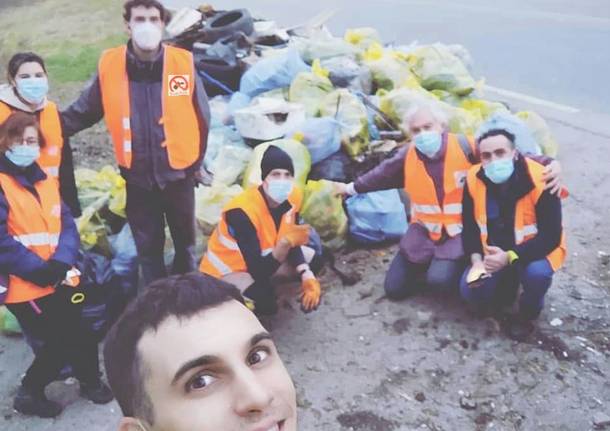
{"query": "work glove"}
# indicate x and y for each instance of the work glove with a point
(310, 294)
(295, 234)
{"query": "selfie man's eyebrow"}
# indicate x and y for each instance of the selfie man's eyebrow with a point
(194, 363)
(260, 337)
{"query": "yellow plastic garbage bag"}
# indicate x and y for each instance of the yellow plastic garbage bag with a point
(396, 103)
(309, 89)
(209, 202)
(389, 69)
(296, 150)
(362, 37)
(541, 131)
(438, 69)
(484, 108)
(323, 209)
(351, 113)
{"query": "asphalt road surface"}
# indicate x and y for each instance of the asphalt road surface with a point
(555, 50)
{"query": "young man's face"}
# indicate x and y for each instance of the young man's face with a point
(141, 15)
(495, 148)
(218, 370)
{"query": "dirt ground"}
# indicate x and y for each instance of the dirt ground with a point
(364, 363)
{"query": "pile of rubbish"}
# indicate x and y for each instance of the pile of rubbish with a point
(335, 104)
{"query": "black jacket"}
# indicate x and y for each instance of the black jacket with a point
(501, 203)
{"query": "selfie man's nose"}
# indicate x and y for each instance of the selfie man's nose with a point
(252, 395)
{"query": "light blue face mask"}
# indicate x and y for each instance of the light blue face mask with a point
(499, 171)
(279, 190)
(23, 155)
(33, 90)
(428, 143)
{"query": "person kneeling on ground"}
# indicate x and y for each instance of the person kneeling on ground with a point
(188, 355)
(259, 237)
(512, 232)
(432, 172)
(38, 248)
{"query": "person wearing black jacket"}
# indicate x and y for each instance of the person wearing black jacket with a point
(512, 232)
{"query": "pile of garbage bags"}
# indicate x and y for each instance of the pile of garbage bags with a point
(336, 105)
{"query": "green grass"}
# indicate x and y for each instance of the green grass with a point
(68, 34)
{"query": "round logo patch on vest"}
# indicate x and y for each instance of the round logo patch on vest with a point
(179, 85)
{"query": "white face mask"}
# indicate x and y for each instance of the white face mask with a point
(147, 35)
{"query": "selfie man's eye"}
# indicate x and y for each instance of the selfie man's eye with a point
(258, 356)
(200, 381)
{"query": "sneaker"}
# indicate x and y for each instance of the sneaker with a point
(35, 403)
(97, 392)
(519, 329)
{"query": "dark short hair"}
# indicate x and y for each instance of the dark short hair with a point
(13, 127)
(20, 58)
(180, 296)
(498, 132)
(130, 4)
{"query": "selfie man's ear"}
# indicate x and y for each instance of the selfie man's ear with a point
(131, 424)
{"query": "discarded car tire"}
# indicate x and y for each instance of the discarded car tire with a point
(228, 23)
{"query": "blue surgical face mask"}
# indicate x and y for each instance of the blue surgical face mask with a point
(279, 190)
(33, 90)
(23, 155)
(428, 143)
(499, 171)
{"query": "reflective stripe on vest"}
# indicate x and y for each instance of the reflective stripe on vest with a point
(37, 239)
(36, 224)
(179, 115)
(525, 211)
(50, 126)
(425, 208)
(223, 255)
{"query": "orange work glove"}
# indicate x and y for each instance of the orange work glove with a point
(295, 234)
(310, 294)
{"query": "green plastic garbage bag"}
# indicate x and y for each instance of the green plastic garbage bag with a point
(309, 89)
(541, 131)
(438, 69)
(295, 149)
(209, 202)
(322, 45)
(351, 113)
(323, 209)
(8, 322)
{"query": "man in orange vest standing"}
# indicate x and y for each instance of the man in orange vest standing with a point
(157, 113)
(259, 237)
(432, 172)
(512, 232)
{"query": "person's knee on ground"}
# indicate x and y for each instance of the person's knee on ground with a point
(443, 275)
(401, 278)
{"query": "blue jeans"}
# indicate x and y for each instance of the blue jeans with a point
(405, 278)
(535, 277)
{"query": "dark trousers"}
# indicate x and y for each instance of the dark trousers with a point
(147, 211)
(501, 288)
(406, 278)
(65, 338)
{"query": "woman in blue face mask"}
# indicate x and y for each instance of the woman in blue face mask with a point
(40, 245)
(27, 92)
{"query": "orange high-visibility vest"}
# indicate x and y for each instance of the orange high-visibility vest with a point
(179, 117)
(35, 224)
(50, 126)
(425, 207)
(526, 226)
(223, 255)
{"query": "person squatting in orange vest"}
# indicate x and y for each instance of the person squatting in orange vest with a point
(38, 247)
(27, 92)
(156, 110)
(513, 232)
(260, 237)
(432, 172)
